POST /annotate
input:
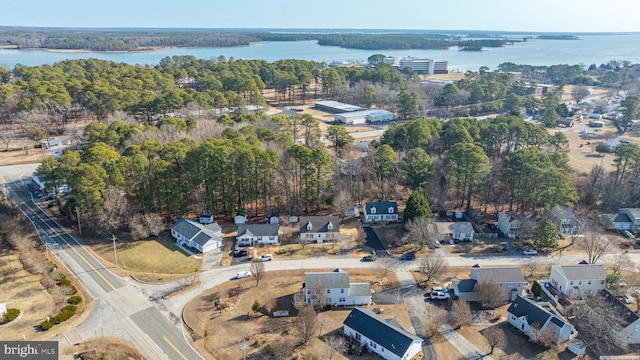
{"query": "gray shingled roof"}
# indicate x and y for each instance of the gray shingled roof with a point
(621, 218)
(466, 285)
(319, 224)
(186, 228)
(258, 229)
(534, 314)
(625, 314)
(635, 212)
(374, 327)
(360, 289)
(330, 280)
(202, 238)
(562, 212)
(502, 275)
(582, 272)
(382, 207)
(454, 227)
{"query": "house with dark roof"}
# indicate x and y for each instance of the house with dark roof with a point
(386, 338)
(381, 211)
(252, 234)
(628, 321)
(338, 288)
(624, 219)
(319, 228)
(203, 238)
(576, 281)
(537, 322)
(564, 219)
(509, 279)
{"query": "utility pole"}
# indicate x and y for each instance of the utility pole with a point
(244, 349)
(78, 217)
(115, 253)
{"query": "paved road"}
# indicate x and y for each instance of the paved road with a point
(119, 308)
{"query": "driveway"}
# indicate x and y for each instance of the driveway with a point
(372, 240)
(414, 300)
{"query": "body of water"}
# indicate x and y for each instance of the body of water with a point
(589, 49)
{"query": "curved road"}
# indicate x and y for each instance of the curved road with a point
(119, 308)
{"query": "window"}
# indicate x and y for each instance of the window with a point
(579, 282)
(270, 237)
(589, 282)
(342, 299)
(341, 291)
(601, 282)
(571, 283)
(373, 210)
(390, 210)
(358, 336)
(328, 291)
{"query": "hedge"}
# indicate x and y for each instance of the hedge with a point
(75, 300)
(9, 316)
(66, 313)
(66, 282)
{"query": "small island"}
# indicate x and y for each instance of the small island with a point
(558, 37)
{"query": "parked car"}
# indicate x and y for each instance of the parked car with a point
(529, 252)
(409, 256)
(240, 253)
(368, 258)
(438, 293)
(266, 257)
(243, 274)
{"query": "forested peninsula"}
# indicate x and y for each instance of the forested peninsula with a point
(146, 39)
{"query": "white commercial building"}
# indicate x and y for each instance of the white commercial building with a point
(421, 65)
(364, 116)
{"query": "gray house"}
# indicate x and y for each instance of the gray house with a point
(537, 322)
(251, 234)
(564, 219)
(204, 238)
(509, 279)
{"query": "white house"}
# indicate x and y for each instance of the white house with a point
(206, 219)
(352, 211)
(512, 223)
(564, 219)
(628, 320)
(250, 234)
(537, 322)
(319, 228)
(461, 230)
(386, 338)
(190, 233)
(510, 280)
(577, 280)
(339, 290)
(381, 211)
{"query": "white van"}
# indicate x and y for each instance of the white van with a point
(243, 274)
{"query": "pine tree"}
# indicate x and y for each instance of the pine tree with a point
(417, 205)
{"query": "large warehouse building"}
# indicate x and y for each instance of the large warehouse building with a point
(336, 107)
(364, 116)
(420, 65)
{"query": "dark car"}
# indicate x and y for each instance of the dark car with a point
(409, 256)
(368, 258)
(240, 253)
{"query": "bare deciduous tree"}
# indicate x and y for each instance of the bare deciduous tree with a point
(597, 318)
(318, 296)
(461, 313)
(432, 266)
(115, 209)
(595, 245)
(532, 265)
(335, 345)
(282, 348)
(434, 317)
(257, 270)
(384, 267)
(340, 202)
(621, 262)
(495, 338)
(306, 324)
(422, 231)
(490, 294)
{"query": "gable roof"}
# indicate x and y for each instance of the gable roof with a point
(196, 232)
(330, 280)
(454, 227)
(360, 289)
(466, 285)
(582, 272)
(502, 275)
(382, 207)
(625, 314)
(561, 212)
(319, 224)
(635, 212)
(620, 218)
(521, 307)
(258, 229)
(374, 327)
(187, 228)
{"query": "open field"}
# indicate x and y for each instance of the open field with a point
(220, 333)
(153, 260)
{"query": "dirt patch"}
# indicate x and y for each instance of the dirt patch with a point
(475, 247)
(221, 332)
(104, 349)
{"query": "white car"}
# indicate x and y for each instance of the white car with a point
(243, 274)
(438, 293)
(266, 257)
(529, 252)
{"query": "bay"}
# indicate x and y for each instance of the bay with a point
(590, 49)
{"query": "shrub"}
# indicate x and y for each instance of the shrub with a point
(536, 288)
(66, 313)
(75, 300)
(256, 307)
(9, 316)
(268, 349)
(63, 281)
(46, 325)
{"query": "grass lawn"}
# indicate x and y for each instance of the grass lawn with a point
(151, 260)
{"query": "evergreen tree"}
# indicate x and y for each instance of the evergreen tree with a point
(546, 235)
(417, 205)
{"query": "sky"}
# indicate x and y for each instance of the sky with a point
(505, 15)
